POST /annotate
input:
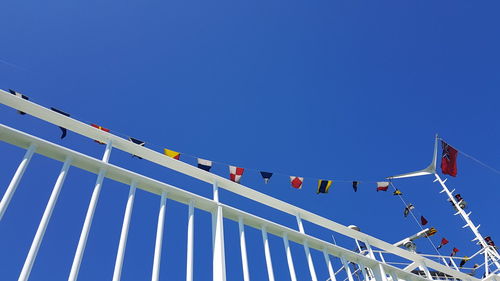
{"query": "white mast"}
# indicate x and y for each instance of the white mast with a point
(489, 251)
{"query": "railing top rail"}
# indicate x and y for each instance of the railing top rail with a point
(57, 152)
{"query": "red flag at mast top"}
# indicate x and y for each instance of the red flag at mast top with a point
(449, 160)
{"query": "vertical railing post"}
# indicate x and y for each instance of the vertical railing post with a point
(35, 245)
(310, 263)
(329, 265)
(243, 247)
(190, 241)
(159, 237)
(289, 258)
(16, 179)
(82, 242)
(267, 251)
(124, 234)
(378, 270)
(347, 269)
(219, 260)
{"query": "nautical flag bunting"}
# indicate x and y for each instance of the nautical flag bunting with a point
(20, 96)
(431, 232)
(449, 160)
(138, 142)
(382, 185)
(423, 221)
(355, 185)
(235, 173)
(204, 164)
(463, 261)
(266, 176)
(296, 182)
(171, 153)
(323, 186)
(443, 242)
(408, 208)
(454, 252)
(397, 192)
(100, 128)
(63, 130)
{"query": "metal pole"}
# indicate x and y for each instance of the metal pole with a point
(190, 240)
(329, 265)
(289, 258)
(244, 261)
(468, 221)
(219, 260)
(159, 237)
(310, 263)
(378, 271)
(123, 236)
(40, 232)
(267, 251)
(16, 179)
(82, 242)
(347, 269)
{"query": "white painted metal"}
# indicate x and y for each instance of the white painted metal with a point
(124, 234)
(118, 174)
(40, 232)
(329, 266)
(190, 242)
(289, 258)
(159, 237)
(16, 179)
(267, 251)
(82, 242)
(219, 259)
(243, 247)
(469, 223)
(310, 263)
(347, 269)
(57, 152)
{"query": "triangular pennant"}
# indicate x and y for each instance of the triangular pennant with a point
(235, 173)
(296, 182)
(408, 208)
(172, 154)
(17, 94)
(204, 164)
(138, 142)
(323, 186)
(355, 185)
(63, 130)
(423, 221)
(100, 128)
(443, 242)
(266, 176)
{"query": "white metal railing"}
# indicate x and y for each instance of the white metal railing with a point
(381, 270)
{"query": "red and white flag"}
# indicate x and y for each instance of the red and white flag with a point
(296, 182)
(235, 173)
(382, 185)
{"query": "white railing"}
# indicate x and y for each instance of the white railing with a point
(370, 267)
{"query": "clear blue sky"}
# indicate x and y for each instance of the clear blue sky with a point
(321, 89)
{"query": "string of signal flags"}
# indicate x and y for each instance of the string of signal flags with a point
(448, 166)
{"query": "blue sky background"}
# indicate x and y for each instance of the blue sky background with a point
(343, 90)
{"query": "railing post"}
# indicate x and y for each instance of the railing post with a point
(35, 245)
(124, 234)
(190, 240)
(329, 265)
(243, 247)
(267, 251)
(159, 237)
(219, 259)
(289, 258)
(310, 263)
(347, 269)
(16, 179)
(82, 242)
(378, 271)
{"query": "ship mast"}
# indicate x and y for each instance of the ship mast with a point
(490, 253)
